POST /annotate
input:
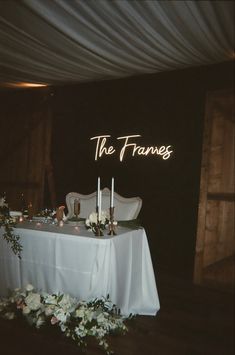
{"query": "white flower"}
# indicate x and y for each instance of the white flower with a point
(87, 222)
(49, 310)
(89, 315)
(81, 331)
(94, 318)
(101, 318)
(2, 202)
(50, 299)
(100, 332)
(104, 216)
(3, 304)
(26, 310)
(33, 301)
(40, 321)
(93, 330)
(67, 303)
(61, 315)
(108, 304)
(93, 217)
(80, 312)
(17, 290)
(29, 287)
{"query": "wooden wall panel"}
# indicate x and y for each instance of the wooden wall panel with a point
(26, 147)
(227, 181)
(219, 232)
(215, 233)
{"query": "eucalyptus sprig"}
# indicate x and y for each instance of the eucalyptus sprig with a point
(8, 223)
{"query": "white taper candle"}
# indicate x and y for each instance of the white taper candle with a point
(112, 192)
(98, 192)
(99, 207)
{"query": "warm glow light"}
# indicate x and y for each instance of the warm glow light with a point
(25, 85)
(103, 149)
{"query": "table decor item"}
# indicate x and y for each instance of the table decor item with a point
(76, 207)
(30, 211)
(24, 208)
(98, 194)
(60, 215)
(78, 320)
(97, 222)
(8, 222)
(112, 193)
(112, 222)
(16, 215)
(46, 215)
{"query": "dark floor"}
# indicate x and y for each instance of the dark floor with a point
(193, 320)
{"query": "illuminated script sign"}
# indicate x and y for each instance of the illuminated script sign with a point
(129, 145)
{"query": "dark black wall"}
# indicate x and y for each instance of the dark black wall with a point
(165, 109)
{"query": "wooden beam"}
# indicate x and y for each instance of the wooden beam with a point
(221, 196)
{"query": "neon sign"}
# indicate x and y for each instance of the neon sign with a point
(102, 148)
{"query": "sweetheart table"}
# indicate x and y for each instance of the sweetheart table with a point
(71, 260)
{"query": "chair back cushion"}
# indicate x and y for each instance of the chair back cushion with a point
(126, 208)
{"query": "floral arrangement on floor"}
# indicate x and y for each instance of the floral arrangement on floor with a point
(91, 222)
(78, 320)
(8, 223)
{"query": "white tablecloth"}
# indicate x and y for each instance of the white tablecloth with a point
(68, 260)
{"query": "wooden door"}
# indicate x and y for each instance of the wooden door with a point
(215, 244)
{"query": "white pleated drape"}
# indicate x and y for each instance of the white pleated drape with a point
(61, 41)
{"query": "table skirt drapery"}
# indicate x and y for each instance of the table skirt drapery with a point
(84, 267)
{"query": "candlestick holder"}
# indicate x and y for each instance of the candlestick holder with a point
(112, 229)
(76, 208)
(98, 230)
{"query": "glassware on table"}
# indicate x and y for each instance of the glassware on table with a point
(30, 211)
(76, 207)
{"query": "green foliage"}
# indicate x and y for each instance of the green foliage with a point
(8, 223)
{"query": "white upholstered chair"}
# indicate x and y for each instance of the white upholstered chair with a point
(126, 208)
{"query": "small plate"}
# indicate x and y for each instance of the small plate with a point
(15, 213)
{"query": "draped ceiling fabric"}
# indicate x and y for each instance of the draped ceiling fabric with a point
(60, 41)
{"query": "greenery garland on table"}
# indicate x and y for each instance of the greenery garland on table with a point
(78, 320)
(8, 223)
